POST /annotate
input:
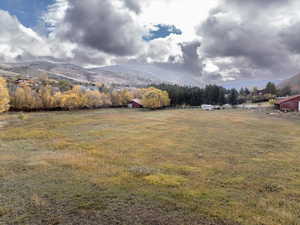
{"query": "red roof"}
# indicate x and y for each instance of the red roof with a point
(280, 101)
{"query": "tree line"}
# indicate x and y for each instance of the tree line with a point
(44, 97)
(195, 96)
(217, 95)
(70, 97)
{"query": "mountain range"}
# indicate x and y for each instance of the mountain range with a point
(122, 75)
(125, 75)
(293, 83)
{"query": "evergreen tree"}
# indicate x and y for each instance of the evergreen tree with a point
(247, 92)
(233, 97)
(222, 98)
(286, 91)
(271, 88)
(242, 92)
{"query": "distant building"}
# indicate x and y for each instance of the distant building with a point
(135, 103)
(289, 104)
(24, 82)
(261, 92)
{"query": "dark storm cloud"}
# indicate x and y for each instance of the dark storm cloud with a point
(191, 64)
(102, 26)
(229, 38)
(191, 59)
(290, 36)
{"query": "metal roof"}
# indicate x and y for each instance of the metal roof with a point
(280, 101)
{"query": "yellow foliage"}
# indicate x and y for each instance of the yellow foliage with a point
(116, 98)
(154, 98)
(73, 99)
(78, 99)
(106, 99)
(47, 98)
(4, 96)
(121, 98)
(272, 101)
(138, 93)
(165, 180)
(26, 99)
(95, 99)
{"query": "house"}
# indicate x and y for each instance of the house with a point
(261, 92)
(135, 103)
(288, 104)
(24, 82)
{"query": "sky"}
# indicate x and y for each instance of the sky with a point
(29, 14)
(211, 40)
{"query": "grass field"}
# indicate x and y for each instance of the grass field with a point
(120, 166)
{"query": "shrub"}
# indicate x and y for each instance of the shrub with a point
(22, 116)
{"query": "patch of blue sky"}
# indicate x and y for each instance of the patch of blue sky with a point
(162, 31)
(28, 12)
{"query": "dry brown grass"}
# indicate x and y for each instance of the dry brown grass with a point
(229, 166)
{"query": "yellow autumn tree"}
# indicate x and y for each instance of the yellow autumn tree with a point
(4, 96)
(122, 97)
(93, 99)
(154, 98)
(126, 97)
(116, 98)
(96, 99)
(106, 100)
(47, 98)
(73, 99)
(25, 98)
(138, 93)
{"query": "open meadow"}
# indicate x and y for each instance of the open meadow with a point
(138, 167)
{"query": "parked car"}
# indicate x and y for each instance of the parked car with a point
(217, 107)
(227, 106)
(208, 107)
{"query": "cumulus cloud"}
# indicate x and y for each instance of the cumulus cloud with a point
(18, 42)
(103, 26)
(238, 40)
(253, 44)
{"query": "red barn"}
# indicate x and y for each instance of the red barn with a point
(135, 103)
(289, 104)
